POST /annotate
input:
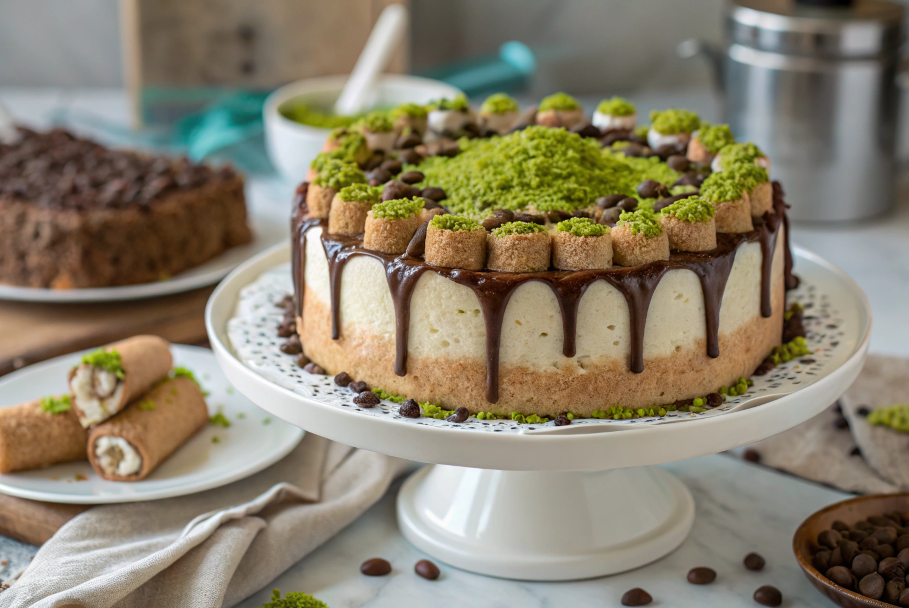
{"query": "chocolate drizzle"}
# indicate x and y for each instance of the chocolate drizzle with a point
(494, 289)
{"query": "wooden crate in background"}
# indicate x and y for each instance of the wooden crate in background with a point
(186, 50)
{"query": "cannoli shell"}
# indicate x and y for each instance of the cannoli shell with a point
(179, 413)
(31, 438)
(145, 360)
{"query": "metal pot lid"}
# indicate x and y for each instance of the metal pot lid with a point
(817, 28)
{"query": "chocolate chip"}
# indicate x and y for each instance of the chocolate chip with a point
(343, 379)
(869, 542)
(665, 151)
(849, 549)
(863, 565)
(841, 576)
(610, 216)
(752, 455)
(417, 245)
(410, 409)
(426, 569)
(891, 567)
(714, 400)
(650, 188)
(378, 176)
(829, 538)
(586, 130)
(666, 201)
(863, 411)
(557, 215)
(855, 451)
(629, 203)
(302, 360)
(840, 526)
(614, 135)
(701, 576)
(636, 597)
(367, 399)
(287, 329)
(358, 387)
(460, 415)
(857, 535)
(634, 150)
(520, 216)
(754, 561)
(374, 161)
(872, 586)
(768, 595)
(821, 561)
(582, 213)
(392, 165)
(904, 596)
(885, 535)
(692, 178)
(610, 200)
(893, 590)
(904, 557)
(411, 140)
(292, 346)
(434, 193)
(836, 557)
(840, 423)
(562, 420)
(498, 218)
(410, 156)
(885, 550)
(412, 177)
(375, 567)
(314, 368)
(678, 162)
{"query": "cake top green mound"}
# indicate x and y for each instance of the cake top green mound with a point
(537, 168)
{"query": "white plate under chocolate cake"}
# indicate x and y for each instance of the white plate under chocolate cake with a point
(532, 262)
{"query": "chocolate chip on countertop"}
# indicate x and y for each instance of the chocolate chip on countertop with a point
(367, 399)
(840, 575)
(410, 156)
(863, 565)
(375, 567)
(358, 386)
(752, 455)
(302, 360)
(613, 135)
(410, 409)
(863, 411)
(678, 162)
(557, 215)
(872, 586)
(636, 597)
(701, 576)
(692, 178)
(855, 451)
(314, 368)
(840, 423)
(426, 569)
(412, 177)
(460, 415)
(634, 149)
(434, 193)
(665, 151)
(562, 420)
(768, 595)
(754, 561)
(343, 379)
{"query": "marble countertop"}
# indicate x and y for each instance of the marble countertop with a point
(740, 507)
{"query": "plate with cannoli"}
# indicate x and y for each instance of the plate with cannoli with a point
(139, 419)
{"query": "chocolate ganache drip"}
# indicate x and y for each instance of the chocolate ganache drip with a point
(494, 289)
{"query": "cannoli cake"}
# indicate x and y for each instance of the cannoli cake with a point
(74, 214)
(547, 266)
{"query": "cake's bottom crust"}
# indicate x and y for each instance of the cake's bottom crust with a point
(453, 383)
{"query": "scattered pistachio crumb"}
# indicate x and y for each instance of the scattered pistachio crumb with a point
(266, 421)
(896, 417)
(294, 599)
(215, 439)
(148, 404)
(220, 419)
(382, 394)
(409, 109)
(106, 359)
(241, 415)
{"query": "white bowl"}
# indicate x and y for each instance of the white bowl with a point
(292, 146)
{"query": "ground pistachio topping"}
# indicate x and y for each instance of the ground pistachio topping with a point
(398, 209)
(513, 228)
(721, 188)
(616, 106)
(410, 110)
(349, 143)
(294, 599)
(375, 122)
(106, 359)
(739, 153)
(715, 137)
(337, 174)
(383, 394)
(896, 417)
(56, 405)
(458, 104)
(499, 103)
(361, 193)
(749, 174)
(559, 101)
(691, 209)
(674, 120)
(581, 226)
(314, 117)
(642, 221)
(182, 372)
(455, 223)
(219, 419)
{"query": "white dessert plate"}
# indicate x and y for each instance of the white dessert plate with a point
(214, 457)
(267, 229)
(241, 318)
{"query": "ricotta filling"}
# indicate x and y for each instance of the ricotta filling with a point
(655, 139)
(97, 393)
(608, 122)
(117, 456)
(440, 121)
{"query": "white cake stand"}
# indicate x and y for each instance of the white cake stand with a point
(540, 502)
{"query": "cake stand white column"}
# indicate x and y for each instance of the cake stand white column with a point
(545, 525)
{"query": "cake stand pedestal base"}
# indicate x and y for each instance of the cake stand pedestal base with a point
(551, 526)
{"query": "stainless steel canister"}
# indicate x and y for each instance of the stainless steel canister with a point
(815, 88)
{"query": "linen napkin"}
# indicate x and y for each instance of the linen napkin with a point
(860, 457)
(211, 549)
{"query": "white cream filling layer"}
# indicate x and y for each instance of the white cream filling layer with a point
(448, 120)
(605, 122)
(500, 123)
(446, 320)
(117, 456)
(97, 393)
(655, 139)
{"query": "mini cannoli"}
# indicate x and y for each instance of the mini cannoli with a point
(409, 117)
(730, 197)
(130, 446)
(109, 378)
(616, 114)
(449, 116)
(349, 208)
(498, 113)
(40, 433)
(757, 184)
(581, 244)
(454, 241)
(560, 110)
(391, 224)
(672, 127)
(333, 175)
(690, 224)
(519, 247)
(348, 145)
(639, 238)
(707, 141)
(746, 152)
(378, 130)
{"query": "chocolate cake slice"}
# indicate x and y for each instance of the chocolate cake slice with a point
(75, 214)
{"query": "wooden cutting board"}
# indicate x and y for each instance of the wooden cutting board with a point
(31, 332)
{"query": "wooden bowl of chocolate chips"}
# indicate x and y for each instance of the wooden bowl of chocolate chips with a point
(856, 552)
